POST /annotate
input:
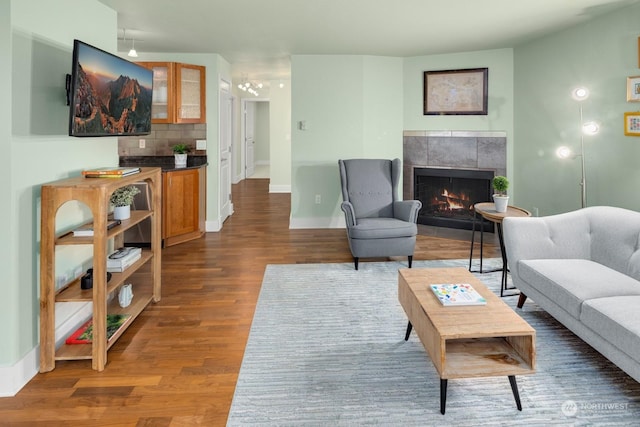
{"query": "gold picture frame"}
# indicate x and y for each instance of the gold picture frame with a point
(632, 123)
(633, 89)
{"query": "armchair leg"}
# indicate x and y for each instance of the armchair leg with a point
(410, 260)
(355, 261)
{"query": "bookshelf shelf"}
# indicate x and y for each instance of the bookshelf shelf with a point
(144, 273)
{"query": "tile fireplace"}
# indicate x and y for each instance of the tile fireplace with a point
(450, 171)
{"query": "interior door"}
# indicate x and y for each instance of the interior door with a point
(226, 139)
(249, 132)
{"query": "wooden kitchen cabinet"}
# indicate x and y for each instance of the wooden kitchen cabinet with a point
(184, 205)
(179, 92)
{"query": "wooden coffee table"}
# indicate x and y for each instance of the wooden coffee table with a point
(466, 341)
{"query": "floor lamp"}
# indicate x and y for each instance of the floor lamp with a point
(589, 128)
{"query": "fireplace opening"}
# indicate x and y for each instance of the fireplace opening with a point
(448, 196)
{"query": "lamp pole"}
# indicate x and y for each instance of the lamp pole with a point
(583, 182)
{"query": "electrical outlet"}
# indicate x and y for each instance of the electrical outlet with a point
(201, 144)
(318, 199)
(142, 143)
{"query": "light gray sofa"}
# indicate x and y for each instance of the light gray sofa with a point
(583, 268)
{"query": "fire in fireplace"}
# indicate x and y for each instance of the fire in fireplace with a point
(448, 195)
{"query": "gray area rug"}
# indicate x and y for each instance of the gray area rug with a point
(327, 349)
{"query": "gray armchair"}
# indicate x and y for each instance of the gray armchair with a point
(378, 224)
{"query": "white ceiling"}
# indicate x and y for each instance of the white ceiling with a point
(258, 36)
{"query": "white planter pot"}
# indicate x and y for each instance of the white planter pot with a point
(501, 203)
(181, 160)
(122, 212)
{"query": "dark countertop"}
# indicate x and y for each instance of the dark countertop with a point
(167, 163)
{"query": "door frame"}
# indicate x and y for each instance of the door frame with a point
(225, 92)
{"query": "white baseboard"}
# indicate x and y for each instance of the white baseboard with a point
(212, 226)
(279, 188)
(317, 222)
(13, 378)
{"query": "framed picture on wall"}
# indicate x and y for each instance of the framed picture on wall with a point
(632, 123)
(456, 92)
(633, 89)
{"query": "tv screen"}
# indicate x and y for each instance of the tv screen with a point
(108, 95)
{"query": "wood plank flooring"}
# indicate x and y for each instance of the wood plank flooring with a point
(178, 363)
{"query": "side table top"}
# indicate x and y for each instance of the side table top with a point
(488, 211)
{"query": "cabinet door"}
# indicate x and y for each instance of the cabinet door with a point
(190, 93)
(181, 203)
(163, 107)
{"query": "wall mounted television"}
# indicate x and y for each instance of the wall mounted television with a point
(107, 95)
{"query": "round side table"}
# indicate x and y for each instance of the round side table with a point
(488, 212)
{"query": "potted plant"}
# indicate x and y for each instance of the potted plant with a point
(122, 199)
(500, 199)
(180, 152)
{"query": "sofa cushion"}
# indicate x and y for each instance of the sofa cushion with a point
(616, 320)
(570, 282)
(382, 228)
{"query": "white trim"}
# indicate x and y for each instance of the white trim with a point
(212, 226)
(279, 188)
(13, 378)
(317, 222)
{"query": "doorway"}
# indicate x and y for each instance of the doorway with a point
(255, 136)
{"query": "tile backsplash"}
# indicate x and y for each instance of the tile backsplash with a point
(162, 138)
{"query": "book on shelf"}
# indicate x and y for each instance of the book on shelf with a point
(84, 334)
(123, 258)
(87, 229)
(110, 172)
(452, 294)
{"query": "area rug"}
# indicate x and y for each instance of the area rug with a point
(327, 348)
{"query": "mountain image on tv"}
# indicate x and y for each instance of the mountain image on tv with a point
(107, 106)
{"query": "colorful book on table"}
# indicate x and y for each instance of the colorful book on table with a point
(452, 294)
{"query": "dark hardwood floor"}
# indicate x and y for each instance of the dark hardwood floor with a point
(178, 363)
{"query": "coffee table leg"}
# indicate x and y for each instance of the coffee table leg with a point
(409, 328)
(443, 395)
(514, 388)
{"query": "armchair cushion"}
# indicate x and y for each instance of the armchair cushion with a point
(382, 228)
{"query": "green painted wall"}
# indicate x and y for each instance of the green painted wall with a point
(36, 41)
(352, 107)
(600, 55)
(261, 136)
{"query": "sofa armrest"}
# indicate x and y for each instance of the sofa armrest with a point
(407, 210)
(349, 214)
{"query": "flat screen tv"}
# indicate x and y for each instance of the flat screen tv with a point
(108, 95)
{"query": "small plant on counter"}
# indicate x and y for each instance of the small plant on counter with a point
(123, 196)
(500, 184)
(181, 149)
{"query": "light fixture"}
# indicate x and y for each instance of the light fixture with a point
(132, 52)
(251, 87)
(587, 128)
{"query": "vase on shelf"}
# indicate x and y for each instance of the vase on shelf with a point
(181, 160)
(122, 212)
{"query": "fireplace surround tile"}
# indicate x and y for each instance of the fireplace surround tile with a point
(482, 150)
